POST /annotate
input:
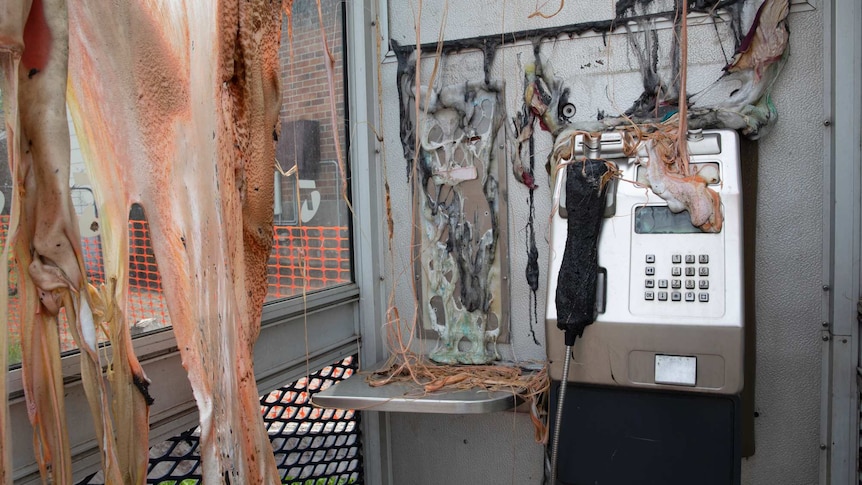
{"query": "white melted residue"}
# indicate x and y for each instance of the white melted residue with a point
(88, 326)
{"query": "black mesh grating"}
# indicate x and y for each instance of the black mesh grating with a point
(313, 446)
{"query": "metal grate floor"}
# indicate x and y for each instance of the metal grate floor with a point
(313, 446)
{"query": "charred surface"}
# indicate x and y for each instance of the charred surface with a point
(625, 9)
(144, 388)
(405, 78)
(576, 284)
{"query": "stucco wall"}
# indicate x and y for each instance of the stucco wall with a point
(788, 268)
(602, 73)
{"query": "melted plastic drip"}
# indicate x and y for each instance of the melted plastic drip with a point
(456, 172)
(532, 269)
(404, 79)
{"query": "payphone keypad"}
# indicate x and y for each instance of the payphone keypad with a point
(695, 283)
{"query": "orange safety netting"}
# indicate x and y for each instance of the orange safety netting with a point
(309, 257)
(303, 257)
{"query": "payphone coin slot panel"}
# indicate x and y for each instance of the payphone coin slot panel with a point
(675, 370)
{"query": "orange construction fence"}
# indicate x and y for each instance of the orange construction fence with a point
(302, 258)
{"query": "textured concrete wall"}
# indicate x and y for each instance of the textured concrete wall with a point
(305, 88)
(788, 268)
(602, 73)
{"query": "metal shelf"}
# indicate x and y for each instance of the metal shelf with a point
(355, 393)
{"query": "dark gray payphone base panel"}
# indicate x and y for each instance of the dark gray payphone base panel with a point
(635, 437)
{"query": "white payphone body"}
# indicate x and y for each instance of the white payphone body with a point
(670, 297)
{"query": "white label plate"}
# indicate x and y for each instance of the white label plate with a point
(676, 370)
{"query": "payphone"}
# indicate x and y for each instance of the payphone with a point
(667, 337)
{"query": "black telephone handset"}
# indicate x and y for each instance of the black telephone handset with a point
(576, 284)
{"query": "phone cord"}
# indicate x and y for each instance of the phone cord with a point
(561, 399)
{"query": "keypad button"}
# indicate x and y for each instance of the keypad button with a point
(649, 283)
(676, 284)
(650, 258)
(703, 271)
(662, 296)
(703, 296)
(649, 295)
(675, 296)
(703, 284)
(662, 283)
(703, 258)
(689, 296)
(689, 284)
(676, 258)
(676, 271)
(650, 270)
(689, 259)
(689, 271)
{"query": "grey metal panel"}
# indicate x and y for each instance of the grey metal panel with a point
(825, 409)
(843, 182)
(366, 24)
(481, 449)
(847, 175)
(844, 441)
(285, 347)
(282, 310)
(623, 354)
(365, 20)
(826, 260)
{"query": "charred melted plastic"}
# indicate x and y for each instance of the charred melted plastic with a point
(143, 387)
(576, 284)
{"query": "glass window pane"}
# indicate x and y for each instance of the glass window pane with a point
(312, 232)
(312, 222)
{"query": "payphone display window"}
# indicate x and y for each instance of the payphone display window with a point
(658, 219)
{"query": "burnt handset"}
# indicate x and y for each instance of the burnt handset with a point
(586, 183)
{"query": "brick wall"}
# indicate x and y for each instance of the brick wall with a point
(305, 87)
